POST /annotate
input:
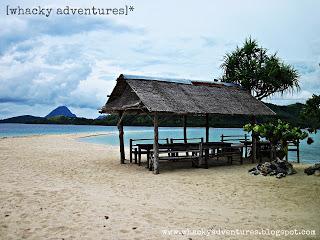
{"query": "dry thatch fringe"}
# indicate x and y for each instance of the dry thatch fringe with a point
(142, 94)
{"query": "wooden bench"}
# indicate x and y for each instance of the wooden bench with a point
(178, 152)
(198, 153)
(235, 150)
(244, 139)
(136, 151)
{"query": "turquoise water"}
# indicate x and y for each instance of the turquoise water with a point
(14, 129)
(164, 132)
(308, 153)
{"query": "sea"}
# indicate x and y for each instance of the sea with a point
(308, 153)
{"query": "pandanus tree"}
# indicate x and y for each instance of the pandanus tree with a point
(258, 72)
(279, 134)
(311, 112)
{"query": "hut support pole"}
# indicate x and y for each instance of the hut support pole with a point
(254, 142)
(206, 157)
(156, 145)
(121, 133)
(207, 127)
(185, 139)
(185, 128)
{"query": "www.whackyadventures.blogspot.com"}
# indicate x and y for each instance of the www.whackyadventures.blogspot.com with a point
(67, 10)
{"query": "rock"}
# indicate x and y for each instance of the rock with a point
(265, 169)
(256, 172)
(317, 173)
(291, 171)
(280, 175)
(279, 168)
(273, 173)
(311, 170)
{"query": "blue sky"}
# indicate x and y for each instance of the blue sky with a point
(74, 60)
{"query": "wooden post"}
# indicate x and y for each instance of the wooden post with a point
(185, 139)
(298, 150)
(148, 159)
(206, 157)
(254, 142)
(246, 145)
(241, 155)
(207, 127)
(185, 128)
(135, 155)
(200, 159)
(139, 156)
(156, 145)
(121, 133)
(130, 150)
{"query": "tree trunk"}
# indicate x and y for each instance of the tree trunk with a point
(273, 152)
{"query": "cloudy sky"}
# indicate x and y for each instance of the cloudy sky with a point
(74, 60)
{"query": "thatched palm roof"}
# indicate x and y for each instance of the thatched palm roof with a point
(145, 94)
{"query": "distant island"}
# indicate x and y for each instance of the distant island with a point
(61, 111)
(62, 115)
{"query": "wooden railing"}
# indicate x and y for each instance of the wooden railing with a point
(294, 147)
(173, 140)
(238, 138)
(134, 149)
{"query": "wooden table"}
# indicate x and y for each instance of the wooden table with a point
(173, 149)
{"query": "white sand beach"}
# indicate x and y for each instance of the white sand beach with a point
(55, 187)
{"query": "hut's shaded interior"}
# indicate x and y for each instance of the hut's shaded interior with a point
(154, 96)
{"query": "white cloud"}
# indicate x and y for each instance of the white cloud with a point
(74, 61)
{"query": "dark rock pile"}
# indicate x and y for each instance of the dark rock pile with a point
(278, 168)
(315, 169)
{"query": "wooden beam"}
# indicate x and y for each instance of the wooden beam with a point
(156, 145)
(207, 127)
(121, 133)
(185, 128)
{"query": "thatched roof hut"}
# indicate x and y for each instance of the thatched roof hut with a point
(145, 95)
(148, 95)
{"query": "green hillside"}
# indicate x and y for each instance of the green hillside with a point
(290, 113)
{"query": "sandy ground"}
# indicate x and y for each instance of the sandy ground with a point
(54, 187)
